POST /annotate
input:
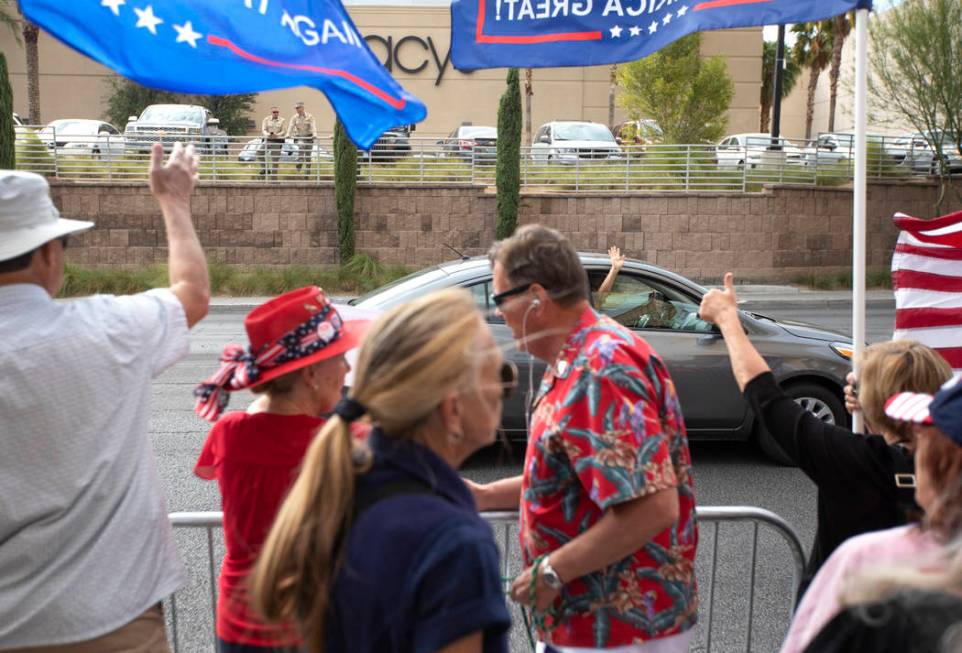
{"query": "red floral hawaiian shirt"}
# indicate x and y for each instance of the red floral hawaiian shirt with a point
(607, 428)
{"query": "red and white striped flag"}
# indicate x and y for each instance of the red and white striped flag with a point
(927, 279)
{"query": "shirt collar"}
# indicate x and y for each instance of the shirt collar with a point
(417, 460)
(21, 294)
(563, 363)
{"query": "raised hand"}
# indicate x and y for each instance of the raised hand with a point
(718, 305)
(851, 394)
(174, 180)
(617, 258)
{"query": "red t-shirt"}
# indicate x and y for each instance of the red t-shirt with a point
(255, 459)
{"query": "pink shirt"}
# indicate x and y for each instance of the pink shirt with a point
(904, 544)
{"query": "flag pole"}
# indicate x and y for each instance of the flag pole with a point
(858, 196)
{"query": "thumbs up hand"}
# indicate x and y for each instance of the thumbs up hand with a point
(719, 305)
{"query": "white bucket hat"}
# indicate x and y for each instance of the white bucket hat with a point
(28, 218)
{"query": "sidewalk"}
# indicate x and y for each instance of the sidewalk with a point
(786, 297)
(792, 297)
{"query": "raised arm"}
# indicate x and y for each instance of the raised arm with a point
(172, 184)
(617, 261)
(721, 308)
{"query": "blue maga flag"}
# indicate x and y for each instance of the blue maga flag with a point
(543, 33)
(237, 46)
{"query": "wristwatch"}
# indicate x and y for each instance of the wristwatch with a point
(551, 577)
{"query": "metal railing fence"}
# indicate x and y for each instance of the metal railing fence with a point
(727, 585)
(417, 161)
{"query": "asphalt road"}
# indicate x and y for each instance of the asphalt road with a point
(726, 474)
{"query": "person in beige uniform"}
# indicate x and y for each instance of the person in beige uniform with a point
(272, 130)
(302, 129)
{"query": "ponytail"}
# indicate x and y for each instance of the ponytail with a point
(295, 572)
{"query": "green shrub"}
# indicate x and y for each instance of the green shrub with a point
(508, 174)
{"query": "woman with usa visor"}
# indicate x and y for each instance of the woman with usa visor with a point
(379, 547)
(296, 365)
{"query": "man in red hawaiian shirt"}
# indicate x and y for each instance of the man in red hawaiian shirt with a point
(607, 508)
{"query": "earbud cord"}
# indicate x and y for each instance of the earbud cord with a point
(529, 399)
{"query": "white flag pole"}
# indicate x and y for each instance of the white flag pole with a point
(858, 196)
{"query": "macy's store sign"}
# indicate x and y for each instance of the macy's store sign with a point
(411, 54)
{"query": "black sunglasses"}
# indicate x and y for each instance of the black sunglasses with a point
(499, 299)
(509, 379)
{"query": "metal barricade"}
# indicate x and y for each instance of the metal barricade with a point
(712, 633)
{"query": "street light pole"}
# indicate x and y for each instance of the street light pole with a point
(777, 85)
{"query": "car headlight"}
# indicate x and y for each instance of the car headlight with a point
(844, 349)
(566, 150)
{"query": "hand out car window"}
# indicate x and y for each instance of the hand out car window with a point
(639, 304)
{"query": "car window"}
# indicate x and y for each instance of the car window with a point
(173, 113)
(641, 303)
(479, 132)
(480, 293)
(583, 132)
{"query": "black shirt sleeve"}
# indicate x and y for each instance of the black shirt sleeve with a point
(835, 458)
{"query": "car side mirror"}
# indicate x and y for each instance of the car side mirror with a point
(131, 118)
(545, 139)
(618, 140)
(412, 127)
(213, 122)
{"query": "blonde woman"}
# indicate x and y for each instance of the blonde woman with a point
(864, 482)
(379, 547)
(917, 557)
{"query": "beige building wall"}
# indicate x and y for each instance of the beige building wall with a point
(880, 120)
(75, 87)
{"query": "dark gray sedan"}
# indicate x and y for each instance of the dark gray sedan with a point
(809, 362)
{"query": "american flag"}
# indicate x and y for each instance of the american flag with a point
(927, 279)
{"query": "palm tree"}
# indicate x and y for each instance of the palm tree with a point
(31, 35)
(813, 50)
(612, 92)
(789, 78)
(528, 92)
(9, 20)
(841, 27)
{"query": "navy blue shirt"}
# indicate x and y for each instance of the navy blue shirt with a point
(420, 569)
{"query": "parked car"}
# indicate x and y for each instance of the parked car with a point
(638, 132)
(909, 151)
(809, 362)
(251, 152)
(393, 145)
(83, 136)
(170, 123)
(738, 150)
(925, 160)
(573, 141)
(830, 149)
(19, 128)
(471, 142)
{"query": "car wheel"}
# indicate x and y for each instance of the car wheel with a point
(814, 398)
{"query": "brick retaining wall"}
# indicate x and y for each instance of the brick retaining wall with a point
(768, 236)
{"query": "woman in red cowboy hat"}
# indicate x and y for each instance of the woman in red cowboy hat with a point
(296, 364)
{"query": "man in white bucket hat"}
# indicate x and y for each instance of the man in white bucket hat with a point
(86, 552)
